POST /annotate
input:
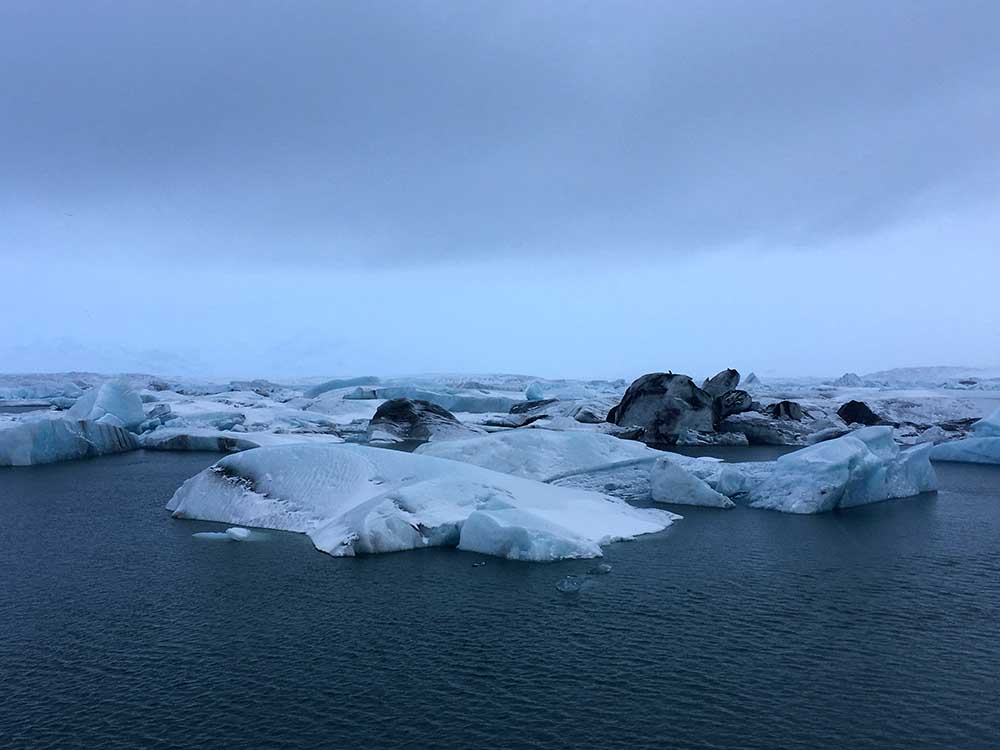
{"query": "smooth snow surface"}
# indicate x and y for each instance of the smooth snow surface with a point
(351, 500)
(541, 454)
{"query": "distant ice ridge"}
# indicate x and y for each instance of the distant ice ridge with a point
(982, 448)
(357, 500)
(453, 402)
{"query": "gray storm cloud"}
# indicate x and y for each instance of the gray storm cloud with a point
(575, 140)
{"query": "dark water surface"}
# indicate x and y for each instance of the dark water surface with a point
(877, 627)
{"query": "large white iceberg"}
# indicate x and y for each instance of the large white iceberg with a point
(47, 439)
(982, 448)
(864, 467)
(352, 499)
(114, 403)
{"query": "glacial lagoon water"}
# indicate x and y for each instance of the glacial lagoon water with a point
(877, 627)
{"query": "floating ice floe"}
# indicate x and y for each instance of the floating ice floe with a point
(352, 500)
(48, 438)
(232, 534)
(238, 533)
(982, 448)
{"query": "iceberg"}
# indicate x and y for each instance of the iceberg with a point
(974, 450)
(114, 403)
(988, 427)
(670, 482)
(534, 392)
(864, 467)
(982, 448)
(47, 439)
(339, 383)
(353, 499)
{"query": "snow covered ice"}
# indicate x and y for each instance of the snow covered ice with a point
(355, 500)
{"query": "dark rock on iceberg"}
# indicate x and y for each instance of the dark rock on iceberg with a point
(732, 402)
(413, 419)
(858, 412)
(664, 405)
(784, 410)
(526, 407)
(719, 384)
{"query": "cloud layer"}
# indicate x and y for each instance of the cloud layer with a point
(210, 153)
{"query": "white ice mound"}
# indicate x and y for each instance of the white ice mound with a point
(864, 467)
(45, 440)
(238, 533)
(354, 499)
(114, 403)
(671, 482)
(542, 454)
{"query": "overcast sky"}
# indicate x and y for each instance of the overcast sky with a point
(571, 188)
